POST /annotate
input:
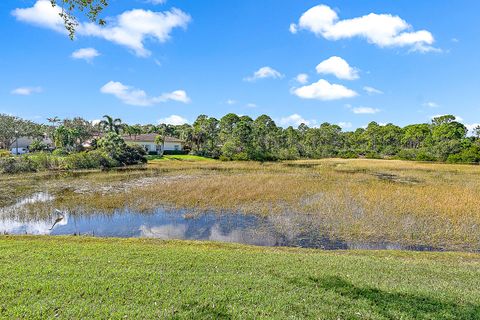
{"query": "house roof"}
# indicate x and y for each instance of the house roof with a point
(150, 137)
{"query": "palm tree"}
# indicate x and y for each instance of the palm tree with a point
(111, 125)
(160, 139)
(54, 120)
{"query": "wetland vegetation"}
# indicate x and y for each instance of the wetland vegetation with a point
(360, 201)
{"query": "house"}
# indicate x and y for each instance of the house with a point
(23, 144)
(148, 142)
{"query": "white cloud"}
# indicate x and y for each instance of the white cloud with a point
(251, 105)
(372, 90)
(136, 97)
(264, 73)
(156, 2)
(324, 90)
(345, 125)
(383, 30)
(431, 104)
(295, 120)
(42, 14)
(338, 67)
(129, 29)
(87, 54)
(174, 119)
(302, 78)
(231, 102)
(26, 91)
(365, 110)
(293, 28)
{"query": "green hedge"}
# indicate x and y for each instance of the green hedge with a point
(175, 152)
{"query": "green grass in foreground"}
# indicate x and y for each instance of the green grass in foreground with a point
(72, 278)
(177, 158)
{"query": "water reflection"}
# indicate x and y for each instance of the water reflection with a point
(279, 230)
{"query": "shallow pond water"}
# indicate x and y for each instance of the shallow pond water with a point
(291, 230)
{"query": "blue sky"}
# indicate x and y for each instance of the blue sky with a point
(185, 58)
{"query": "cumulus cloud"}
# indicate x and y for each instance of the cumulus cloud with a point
(174, 119)
(137, 97)
(345, 125)
(231, 102)
(372, 90)
(26, 91)
(295, 120)
(383, 30)
(264, 73)
(324, 90)
(338, 67)
(365, 110)
(431, 104)
(129, 29)
(302, 78)
(87, 54)
(42, 14)
(156, 2)
(251, 105)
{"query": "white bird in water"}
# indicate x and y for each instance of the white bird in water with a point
(60, 218)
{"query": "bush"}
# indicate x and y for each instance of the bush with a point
(470, 155)
(288, 154)
(88, 160)
(5, 153)
(116, 148)
(175, 152)
(45, 161)
(59, 152)
(424, 155)
(37, 146)
(372, 155)
(132, 155)
(348, 154)
(16, 165)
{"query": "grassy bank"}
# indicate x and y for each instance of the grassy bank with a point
(45, 277)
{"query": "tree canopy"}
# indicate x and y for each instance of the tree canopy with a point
(235, 137)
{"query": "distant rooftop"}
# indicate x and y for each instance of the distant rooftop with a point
(149, 137)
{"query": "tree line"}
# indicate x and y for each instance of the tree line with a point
(235, 137)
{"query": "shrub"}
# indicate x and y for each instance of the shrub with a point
(88, 160)
(424, 155)
(348, 154)
(115, 146)
(5, 153)
(44, 161)
(372, 155)
(470, 155)
(16, 165)
(59, 152)
(37, 146)
(175, 152)
(132, 155)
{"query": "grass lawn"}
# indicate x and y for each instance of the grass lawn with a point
(72, 278)
(187, 157)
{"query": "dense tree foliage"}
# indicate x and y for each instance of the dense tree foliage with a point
(234, 137)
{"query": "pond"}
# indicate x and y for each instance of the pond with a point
(291, 230)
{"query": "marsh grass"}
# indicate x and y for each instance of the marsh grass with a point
(358, 200)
